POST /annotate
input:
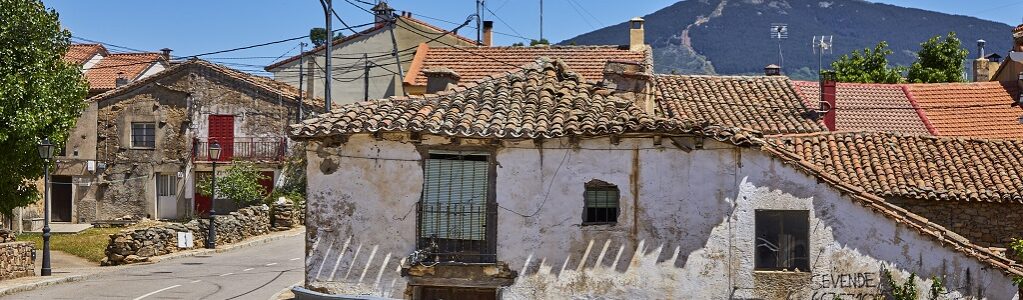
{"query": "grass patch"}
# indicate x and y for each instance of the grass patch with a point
(88, 244)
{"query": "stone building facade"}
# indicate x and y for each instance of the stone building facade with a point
(138, 150)
(538, 185)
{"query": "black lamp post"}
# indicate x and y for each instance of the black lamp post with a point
(46, 153)
(211, 238)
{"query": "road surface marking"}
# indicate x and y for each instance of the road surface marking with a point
(225, 274)
(246, 270)
(270, 264)
(194, 281)
(294, 259)
(157, 291)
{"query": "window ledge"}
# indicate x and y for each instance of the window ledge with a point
(782, 272)
(142, 148)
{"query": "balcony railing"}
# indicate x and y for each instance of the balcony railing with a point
(243, 148)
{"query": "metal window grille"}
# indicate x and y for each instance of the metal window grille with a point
(143, 135)
(166, 185)
(782, 240)
(454, 211)
(601, 203)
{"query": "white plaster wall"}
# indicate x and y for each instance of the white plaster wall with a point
(92, 62)
(153, 69)
(685, 232)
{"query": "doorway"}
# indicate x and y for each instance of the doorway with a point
(167, 196)
(221, 130)
(60, 198)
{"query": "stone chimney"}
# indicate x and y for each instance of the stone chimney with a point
(631, 81)
(121, 80)
(440, 79)
(829, 88)
(166, 53)
(981, 71)
(636, 35)
(772, 70)
(383, 12)
(488, 33)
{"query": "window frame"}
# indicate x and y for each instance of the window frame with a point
(489, 252)
(597, 185)
(783, 216)
(167, 186)
(133, 135)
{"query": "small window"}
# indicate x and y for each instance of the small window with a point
(601, 203)
(782, 240)
(143, 135)
(166, 185)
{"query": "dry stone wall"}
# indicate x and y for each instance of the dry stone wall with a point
(286, 215)
(138, 245)
(15, 257)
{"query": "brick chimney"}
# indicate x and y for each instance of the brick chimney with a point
(166, 54)
(828, 91)
(488, 33)
(121, 80)
(636, 35)
(631, 81)
(440, 79)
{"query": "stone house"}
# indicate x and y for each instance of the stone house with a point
(105, 71)
(365, 58)
(541, 185)
(138, 150)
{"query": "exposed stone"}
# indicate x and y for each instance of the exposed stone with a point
(6, 236)
(16, 260)
(286, 215)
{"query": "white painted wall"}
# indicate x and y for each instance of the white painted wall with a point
(154, 68)
(92, 62)
(685, 232)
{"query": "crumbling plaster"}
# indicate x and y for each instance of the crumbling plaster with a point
(686, 228)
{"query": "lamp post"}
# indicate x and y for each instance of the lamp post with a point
(46, 153)
(211, 238)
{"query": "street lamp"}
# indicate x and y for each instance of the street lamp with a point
(214, 153)
(46, 153)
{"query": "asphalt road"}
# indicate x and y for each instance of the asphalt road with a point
(255, 272)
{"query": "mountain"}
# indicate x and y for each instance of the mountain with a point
(732, 37)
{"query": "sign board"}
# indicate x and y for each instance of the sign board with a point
(186, 240)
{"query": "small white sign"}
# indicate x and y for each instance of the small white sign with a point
(185, 240)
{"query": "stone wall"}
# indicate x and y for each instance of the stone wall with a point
(286, 215)
(16, 260)
(986, 224)
(138, 245)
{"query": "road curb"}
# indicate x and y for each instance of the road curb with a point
(277, 296)
(78, 277)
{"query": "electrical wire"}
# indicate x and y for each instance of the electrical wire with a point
(502, 20)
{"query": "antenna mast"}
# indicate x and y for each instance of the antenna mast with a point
(780, 31)
(821, 44)
(479, 20)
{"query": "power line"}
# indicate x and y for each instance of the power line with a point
(572, 5)
(502, 20)
(587, 12)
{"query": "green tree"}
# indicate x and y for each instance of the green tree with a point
(239, 183)
(539, 42)
(40, 95)
(318, 36)
(869, 66)
(939, 61)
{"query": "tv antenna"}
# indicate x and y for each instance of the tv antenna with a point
(822, 44)
(780, 31)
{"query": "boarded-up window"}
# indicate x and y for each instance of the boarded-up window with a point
(143, 135)
(782, 240)
(601, 203)
(454, 209)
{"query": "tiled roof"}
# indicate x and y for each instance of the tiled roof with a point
(868, 166)
(769, 104)
(78, 54)
(473, 63)
(871, 107)
(259, 82)
(542, 100)
(916, 167)
(404, 18)
(979, 109)
(103, 76)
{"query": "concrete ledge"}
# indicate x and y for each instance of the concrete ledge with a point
(306, 294)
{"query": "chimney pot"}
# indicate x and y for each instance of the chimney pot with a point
(636, 34)
(772, 70)
(488, 33)
(166, 53)
(121, 80)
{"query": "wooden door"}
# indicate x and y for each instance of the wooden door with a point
(202, 203)
(221, 130)
(60, 198)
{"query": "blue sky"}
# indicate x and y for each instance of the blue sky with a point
(199, 26)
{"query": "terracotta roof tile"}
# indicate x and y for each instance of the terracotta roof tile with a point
(542, 100)
(979, 109)
(474, 63)
(769, 104)
(78, 54)
(871, 107)
(103, 76)
(916, 167)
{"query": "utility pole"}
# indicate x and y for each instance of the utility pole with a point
(541, 20)
(328, 8)
(479, 20)
(301, 79)
(365, 77)
(394, 43)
